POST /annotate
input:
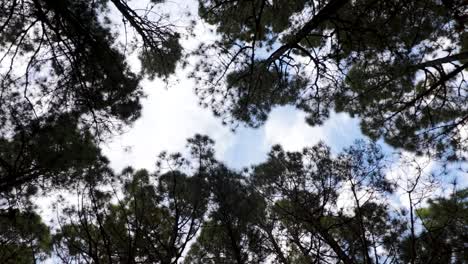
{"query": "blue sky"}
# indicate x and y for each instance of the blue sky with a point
(171, 114)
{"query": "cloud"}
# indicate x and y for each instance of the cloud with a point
(169, 117)
(172, 115)
(287, 126)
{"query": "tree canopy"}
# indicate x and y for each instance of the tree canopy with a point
(24, 238)
(68, 83)
(399, 66)
(288, 209)
(65, 82)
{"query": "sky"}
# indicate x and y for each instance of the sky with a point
(171, 114)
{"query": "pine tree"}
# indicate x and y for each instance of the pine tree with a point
(65, 83)
(382, 61)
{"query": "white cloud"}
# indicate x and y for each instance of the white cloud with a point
(172, 115)
(287, 127)
(169, 117)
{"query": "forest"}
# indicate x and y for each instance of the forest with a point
(77, 74)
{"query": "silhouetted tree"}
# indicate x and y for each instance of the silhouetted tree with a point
(154, 221)
(398, 65)
(23, 237)
(443, 238)
(303, 189)
(296, 207)
(230, 234)
(65, 83)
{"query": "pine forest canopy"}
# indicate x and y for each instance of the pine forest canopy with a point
(65, 82)
(400, 66)
(64, 69)
(196, 210)
(67, 85)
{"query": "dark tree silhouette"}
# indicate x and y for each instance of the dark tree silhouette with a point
(296, 207)
(65, 83)
(23, 237)
(398, 65)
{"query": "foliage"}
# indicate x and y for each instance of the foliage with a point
(296, 207)
(23, 237)
(152, 222)
(65, 81)
(443, 239)
(397, 65)
(66, 85)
